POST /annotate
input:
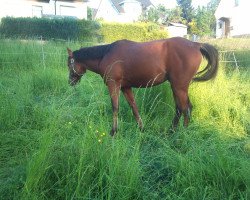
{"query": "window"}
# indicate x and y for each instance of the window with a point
(37, 11)
(220, 24)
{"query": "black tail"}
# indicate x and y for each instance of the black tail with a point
(210, 71)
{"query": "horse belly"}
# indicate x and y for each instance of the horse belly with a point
(144, 77)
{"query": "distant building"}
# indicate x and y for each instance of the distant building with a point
(177, 30)
(232, 18)
(43, 8)
(120, 10)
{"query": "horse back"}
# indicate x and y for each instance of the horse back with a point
(145, 64)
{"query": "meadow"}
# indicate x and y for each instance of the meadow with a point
(54, 141)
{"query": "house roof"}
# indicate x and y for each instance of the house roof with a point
(47, 1)
(117, 4)
(177, 25)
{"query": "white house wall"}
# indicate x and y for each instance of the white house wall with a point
(175, 31)
(219, 30)
(240, 20)
(106, 11)
(238, 15)
(24, 8)
(76, 9)
(225, 9)
(132, 9)
(19, 8)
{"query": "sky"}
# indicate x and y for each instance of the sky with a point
(167, 3)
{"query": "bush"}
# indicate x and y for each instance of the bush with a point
(59, 28)
(132, 31)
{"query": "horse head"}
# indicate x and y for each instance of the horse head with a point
(76, 69)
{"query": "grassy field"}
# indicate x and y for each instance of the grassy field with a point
(54, 141)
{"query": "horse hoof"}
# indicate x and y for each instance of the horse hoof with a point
(171, 131)
(141, 129)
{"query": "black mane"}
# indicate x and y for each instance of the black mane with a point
(91, 53)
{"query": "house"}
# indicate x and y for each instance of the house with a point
(120, 10)
(232, 18)
(177, 30)
(43, 8)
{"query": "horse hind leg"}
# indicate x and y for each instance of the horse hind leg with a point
(176, 118)
(187, 113)
(183, 106)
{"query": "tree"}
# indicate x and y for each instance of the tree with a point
(175, 15)
(162, 15)
(90, 13)
(187, 9)
(211, 7)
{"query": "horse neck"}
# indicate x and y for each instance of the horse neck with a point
(92, 65)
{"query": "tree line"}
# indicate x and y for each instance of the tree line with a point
(200, 21)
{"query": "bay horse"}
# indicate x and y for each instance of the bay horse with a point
(126, 64)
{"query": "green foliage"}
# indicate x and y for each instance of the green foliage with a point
(201, 24)
(162, 15)
(57, 28)
(204, 22)
(132, 31)
(175, 15)
(155, 15)
(152, 15)
(54, 141)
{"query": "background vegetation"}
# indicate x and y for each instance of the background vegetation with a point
(200, 21)
(54, 142)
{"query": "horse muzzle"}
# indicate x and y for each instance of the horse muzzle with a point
(73, 82)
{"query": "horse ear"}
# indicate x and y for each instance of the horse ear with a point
(70, 52)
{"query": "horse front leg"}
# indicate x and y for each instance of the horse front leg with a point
(114, 91)
(131, 100)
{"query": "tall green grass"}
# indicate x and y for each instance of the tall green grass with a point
(54, 141)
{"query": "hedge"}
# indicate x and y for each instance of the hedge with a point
(73, 29)
(59, 28)
(132, 31)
